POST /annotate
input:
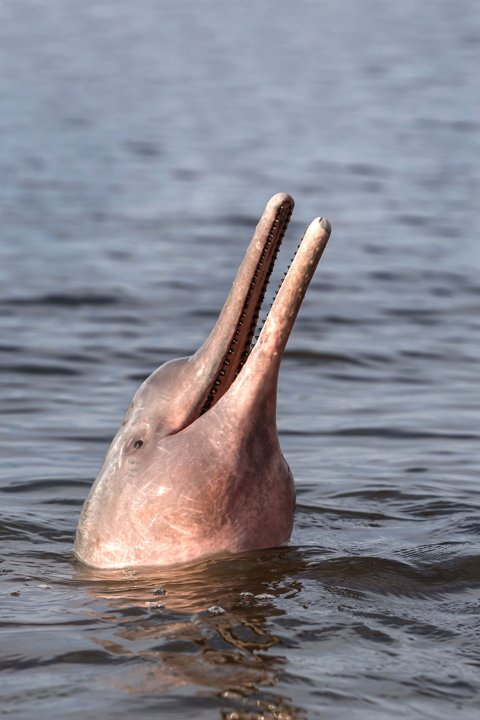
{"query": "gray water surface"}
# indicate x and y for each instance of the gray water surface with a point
(138, 145)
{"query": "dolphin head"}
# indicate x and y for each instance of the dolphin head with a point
(196, 469)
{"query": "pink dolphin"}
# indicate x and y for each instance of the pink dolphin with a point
(196, 468)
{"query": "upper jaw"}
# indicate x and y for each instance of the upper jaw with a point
(229, 344)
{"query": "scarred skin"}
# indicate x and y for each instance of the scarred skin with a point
(196, 468)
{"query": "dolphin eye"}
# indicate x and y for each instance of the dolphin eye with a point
(138, 444)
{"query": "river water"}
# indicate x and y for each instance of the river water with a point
(139, 143)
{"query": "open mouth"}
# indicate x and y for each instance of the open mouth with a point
(229, 346)
(254, 288)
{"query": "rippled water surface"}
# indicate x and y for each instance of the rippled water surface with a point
(139, 143)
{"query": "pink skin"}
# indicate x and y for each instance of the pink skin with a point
(196, 468)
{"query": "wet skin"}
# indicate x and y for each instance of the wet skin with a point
(196, 467)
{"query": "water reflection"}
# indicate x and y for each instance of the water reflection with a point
(223, 630)
(206, 625)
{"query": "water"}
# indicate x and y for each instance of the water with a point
(139, 143)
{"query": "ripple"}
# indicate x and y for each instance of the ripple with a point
(389, 576)
(386, 433)
(64, 300)
(42, 369)
(44, 485)
(313, 356)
